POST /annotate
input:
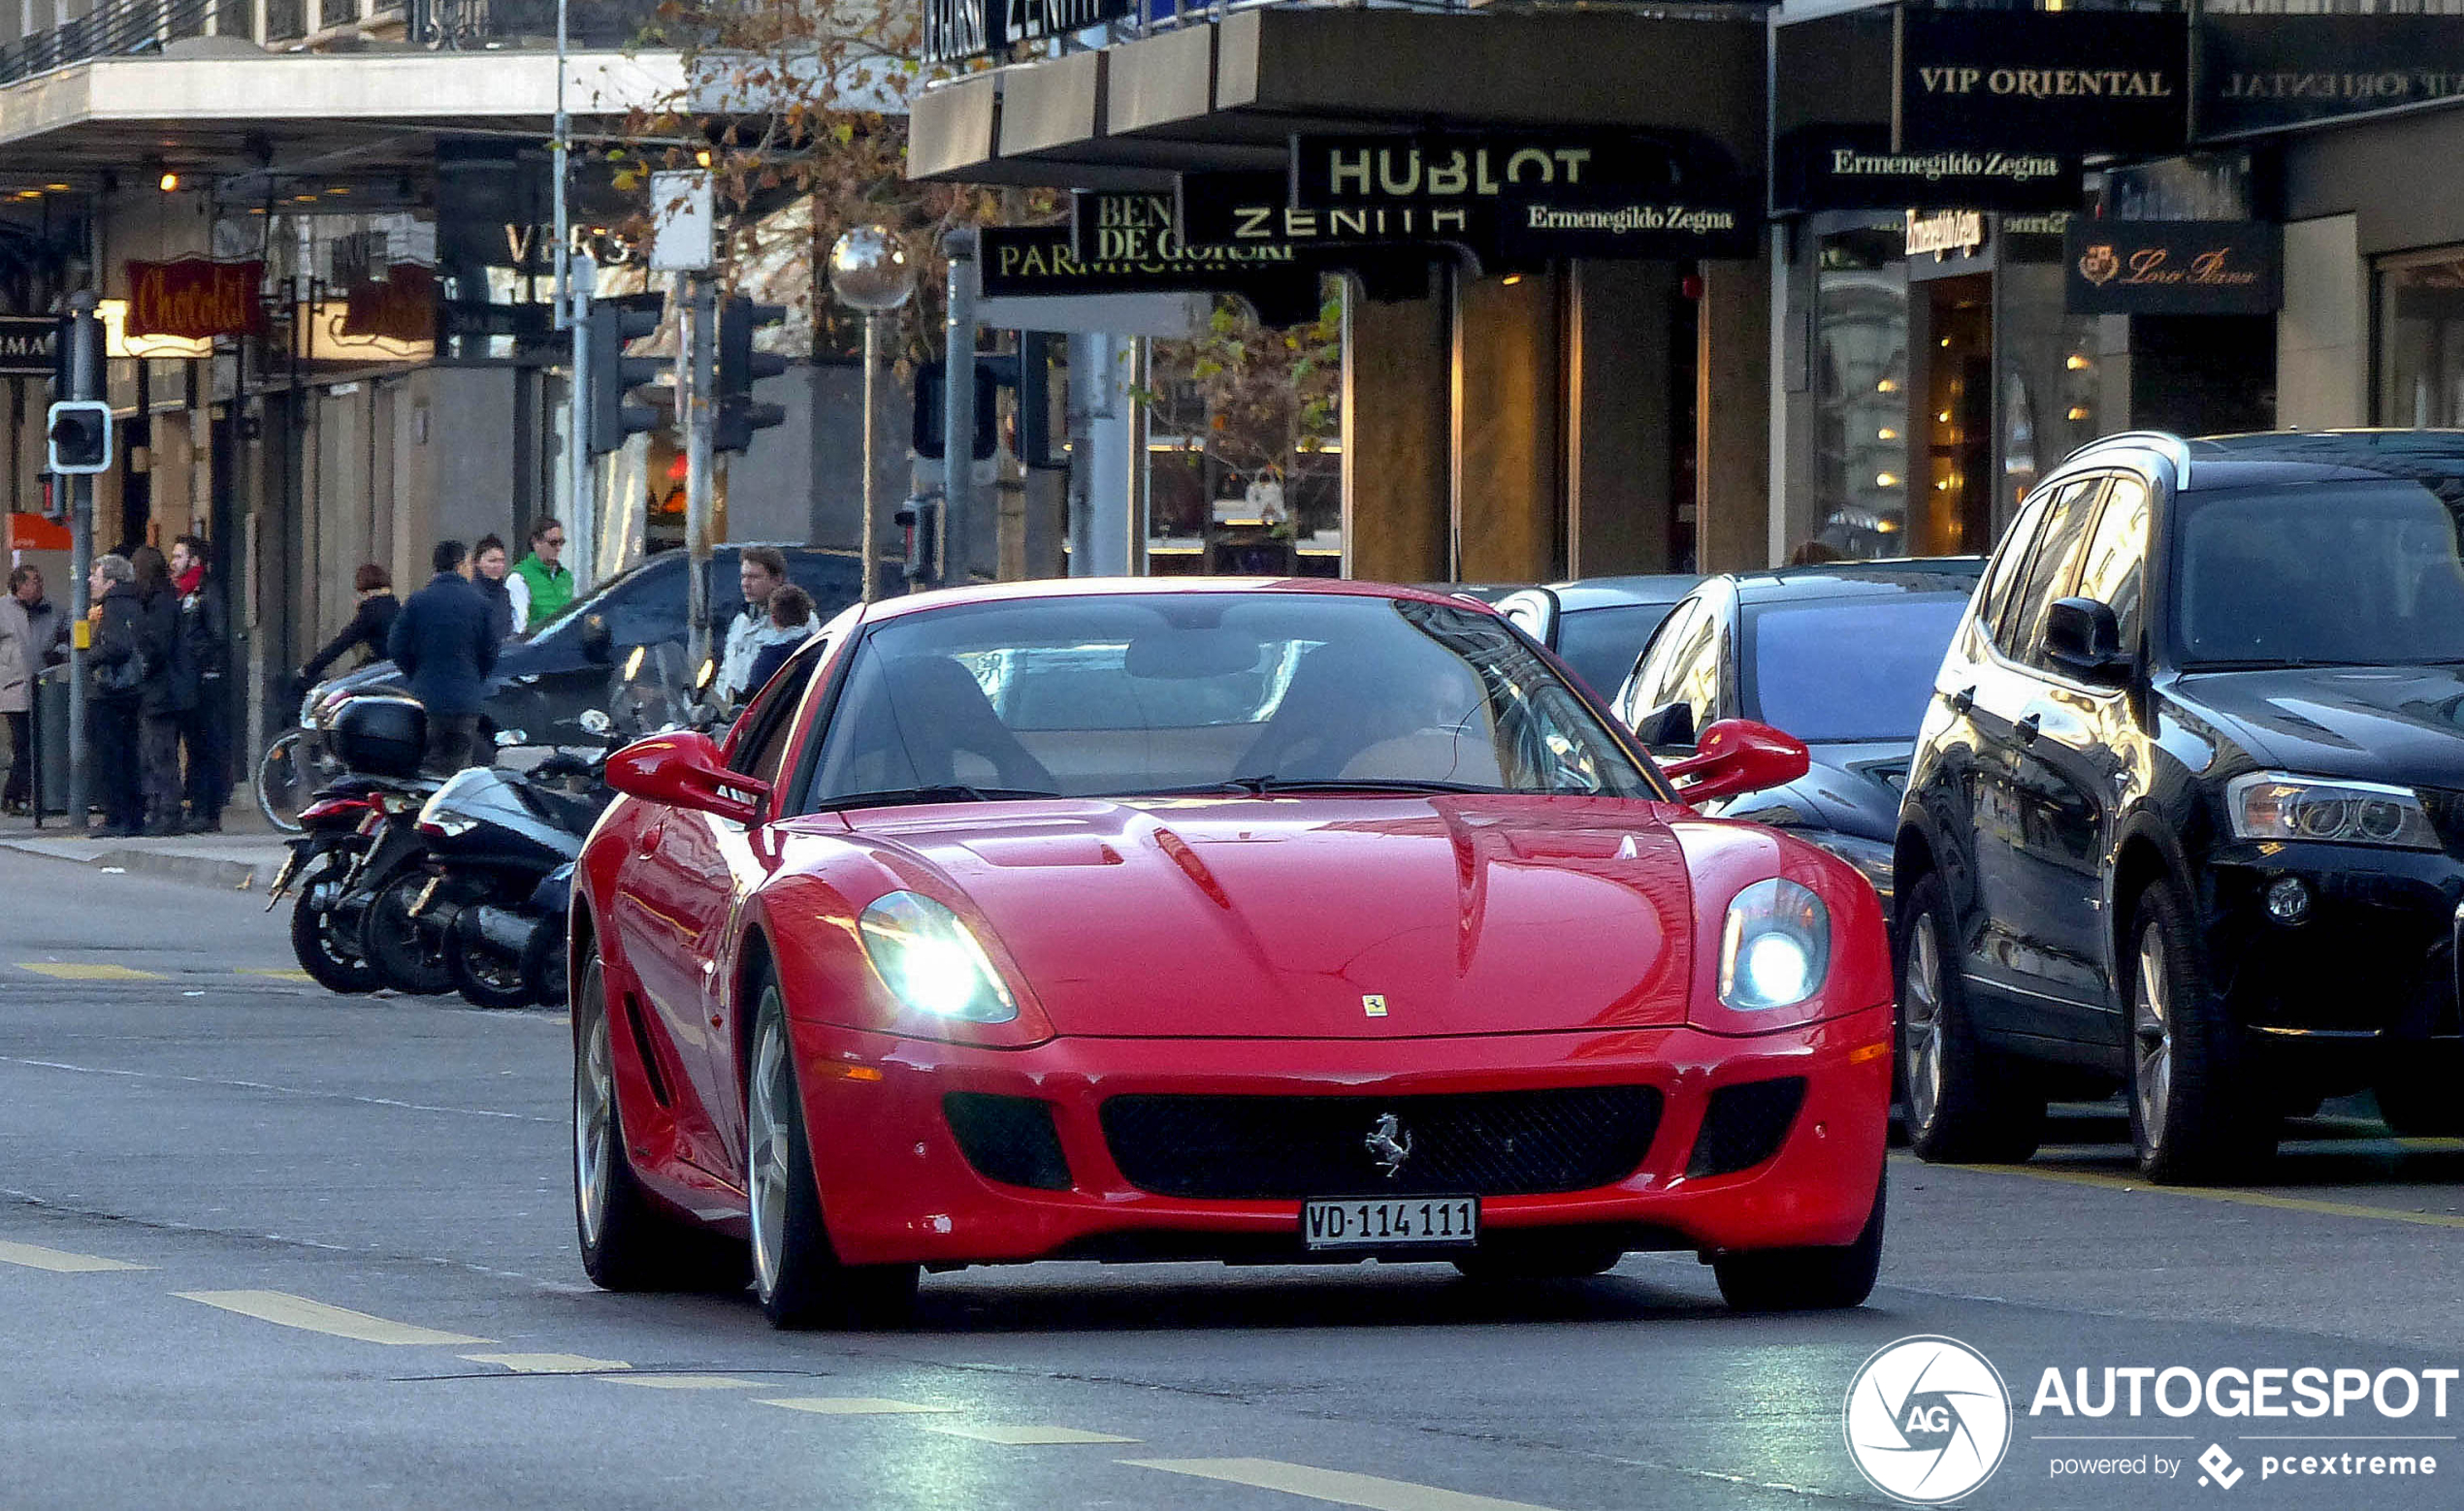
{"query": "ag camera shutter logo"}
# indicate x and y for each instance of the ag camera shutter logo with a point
(1927, 1419)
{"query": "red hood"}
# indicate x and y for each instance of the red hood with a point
(1275, 918)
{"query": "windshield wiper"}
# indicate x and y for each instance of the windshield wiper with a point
(948, 792)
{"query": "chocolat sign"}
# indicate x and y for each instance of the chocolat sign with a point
(2060, 81)
(2172, 267)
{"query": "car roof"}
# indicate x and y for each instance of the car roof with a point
(2289, 457)
(1861, 579)
(1109, 587)
(1600, 593)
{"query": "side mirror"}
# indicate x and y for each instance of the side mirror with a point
(683, 771)
(2082, 638)
(599, 643)
(1738, 756)
(1669, 725)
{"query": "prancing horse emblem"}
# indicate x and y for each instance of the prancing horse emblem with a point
(1389, 1142)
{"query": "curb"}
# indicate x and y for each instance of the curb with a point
(197, 870)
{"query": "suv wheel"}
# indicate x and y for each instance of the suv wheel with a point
(1965, 1104)
(2192, 1112)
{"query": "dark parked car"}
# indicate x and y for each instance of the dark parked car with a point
(2187, 810)
(1597, 626)
(544, 683)
(1841, 655)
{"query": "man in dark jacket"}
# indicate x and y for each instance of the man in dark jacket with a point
(444, 641)
(205, 730)
(169, 695)
(119, 672)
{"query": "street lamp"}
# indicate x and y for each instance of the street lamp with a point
(868, 271)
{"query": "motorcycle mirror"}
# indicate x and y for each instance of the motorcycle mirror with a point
(595, 721)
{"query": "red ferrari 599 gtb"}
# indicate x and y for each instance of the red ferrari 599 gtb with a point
(1236, 921)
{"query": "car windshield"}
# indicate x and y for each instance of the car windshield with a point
(1839, 670)
(1153, 694)
(2346, 575)
(1601, 644)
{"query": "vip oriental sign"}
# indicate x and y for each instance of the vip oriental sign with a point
(195, 297)
(957, 29)
(2046, 81)
(2172, 267)
(1527, 195)
(27, 343)
(2260, 72)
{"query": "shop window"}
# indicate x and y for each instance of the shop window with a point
(2421, 340)
(2047, 362)
(1860, 375)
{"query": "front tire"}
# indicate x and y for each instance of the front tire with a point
(1965, 1104)
(1807, 1279)
(2193, 1111)
(485, 975)
(2420, 1103)
(404, 955)
(795, 1272)
(317, 943)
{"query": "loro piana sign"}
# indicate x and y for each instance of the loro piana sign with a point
(2173, 268)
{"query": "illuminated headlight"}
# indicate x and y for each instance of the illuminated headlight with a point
(2270, 805)
(1775, 947)
(931, 962)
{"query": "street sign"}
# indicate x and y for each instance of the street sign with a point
(681, 219)
(29, 345)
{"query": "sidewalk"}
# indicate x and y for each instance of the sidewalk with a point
(244, 857)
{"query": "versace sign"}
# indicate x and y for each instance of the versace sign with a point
(2172, 267)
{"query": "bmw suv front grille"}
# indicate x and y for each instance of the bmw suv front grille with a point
(1484, 1143)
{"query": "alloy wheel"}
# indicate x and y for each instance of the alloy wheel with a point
(1921, 1023)
(771, 1125)
(2152, 1036)
(594, 1112)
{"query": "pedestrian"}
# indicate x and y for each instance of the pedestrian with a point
(169, 690)
(507, 592)
(547, 586)
(370, 624)
(791, 625)
(31, 637)
(205, 731)
(442, 642)
(118, 673)
(760, 572)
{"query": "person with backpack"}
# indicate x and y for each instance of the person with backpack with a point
(167, 694)
(119, 672)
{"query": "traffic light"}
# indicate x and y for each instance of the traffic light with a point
(612, 325)
(80, 431)
(921, 519)
(931, 387)
(737, 416)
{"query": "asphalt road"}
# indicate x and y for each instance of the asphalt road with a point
(201, 1156)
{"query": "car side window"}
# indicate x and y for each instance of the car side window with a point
(2051, 569)
(769, 725)
(2004, 579)
(1641, 692)
(2112, 574)
(1682, 644)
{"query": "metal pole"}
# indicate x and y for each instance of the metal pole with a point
(581, 517)
(576, 459)
(85, 382)
(958, 409)
(693, 381)
(869, 548)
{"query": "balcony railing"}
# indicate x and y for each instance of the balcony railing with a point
(114, 28)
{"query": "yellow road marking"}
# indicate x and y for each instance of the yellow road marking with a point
(684, 1382)
(1022, 1436)
(284, 1309)
(1330, 1485)
(548, 1364)
(86, 973)
(34, 1256)
(2281, 1203)
(275, 973)
(852, 1405)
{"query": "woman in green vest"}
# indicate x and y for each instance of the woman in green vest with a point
(550, 585)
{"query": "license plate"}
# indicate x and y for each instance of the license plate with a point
(1389, 1222)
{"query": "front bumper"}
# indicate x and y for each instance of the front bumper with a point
(897, 1187)
(2371, 961)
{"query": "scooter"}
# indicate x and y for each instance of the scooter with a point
(355, 837)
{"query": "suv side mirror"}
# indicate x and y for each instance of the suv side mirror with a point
(2082, 637)
(1738, 756)
(1671, 724)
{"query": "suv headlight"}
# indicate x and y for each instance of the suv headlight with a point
(1775, 947)
(2272, 805)
(931, 962)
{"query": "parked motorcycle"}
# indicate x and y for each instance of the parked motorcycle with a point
(351, 844)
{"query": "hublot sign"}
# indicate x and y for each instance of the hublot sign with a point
(2053, 82)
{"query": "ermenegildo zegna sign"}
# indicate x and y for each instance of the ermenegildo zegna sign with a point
(2044, 82)
(1854, 167)
(2258, 71)
(2172, 267)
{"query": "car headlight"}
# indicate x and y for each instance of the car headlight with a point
(1775, 947)
(2271, 805)
(931, 962)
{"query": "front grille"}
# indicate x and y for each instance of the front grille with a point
(1745, 1125)
(1483, 1144)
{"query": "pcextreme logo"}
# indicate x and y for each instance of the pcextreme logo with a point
(1927, 1419)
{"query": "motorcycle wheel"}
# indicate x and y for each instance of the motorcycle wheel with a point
(316, 941)
(486, 976)
(543, 968)
(404, 955)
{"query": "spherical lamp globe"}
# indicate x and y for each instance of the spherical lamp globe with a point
(868, 270)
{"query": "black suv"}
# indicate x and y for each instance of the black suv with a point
(2186, 812)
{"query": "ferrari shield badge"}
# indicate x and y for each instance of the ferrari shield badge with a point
(1373, 1007)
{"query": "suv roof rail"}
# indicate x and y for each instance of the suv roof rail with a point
(2176, 450)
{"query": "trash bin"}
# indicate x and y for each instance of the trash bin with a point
(51, 742)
